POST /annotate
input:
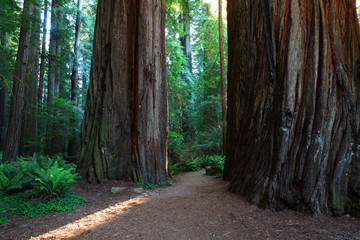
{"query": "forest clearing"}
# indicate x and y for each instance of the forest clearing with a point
(195, 207)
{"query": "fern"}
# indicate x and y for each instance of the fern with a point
(54, 181)
(10, 178)
(49, 177)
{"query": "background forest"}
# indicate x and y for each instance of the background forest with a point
(45, 58)
(57, 77)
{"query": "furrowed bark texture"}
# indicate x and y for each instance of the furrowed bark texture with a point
(293, 124)
(124, 130)
(29, 124)
(222, 76)
(11, 149)
(237, 59)
(73, 143)
(43, 54)
(2, 98)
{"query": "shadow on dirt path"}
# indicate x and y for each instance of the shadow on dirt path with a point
(195, 207)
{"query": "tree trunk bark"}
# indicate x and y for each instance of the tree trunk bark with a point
(124, 130)
(186, 39)
(29, 130)
(2, 100)
(53, 56)
(293, 124)
(222, 77)
(73, 143)
(54, 142)
(43, 55)
(11, 149)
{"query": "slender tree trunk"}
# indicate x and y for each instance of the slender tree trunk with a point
(53, 57)
(187, 127)
(43, 55)
(29, 130)
(73, 143)
(186, 39)
(54, 142)
(11, 149)
(2, 100)
(296, 118)
(222, 73)
(125, 122)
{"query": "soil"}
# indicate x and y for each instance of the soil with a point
(196, 206)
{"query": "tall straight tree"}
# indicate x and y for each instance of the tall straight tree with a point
(186, 72)
(54, 52)
(186, 39)
(43, 54)
(29, 130)
(2, 98)
(222, 76)
(73, 144)
(54, 143)
(12, 141)
(124, 130)
(293, 141)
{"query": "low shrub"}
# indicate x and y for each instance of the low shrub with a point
(21, 204)
(49, 177)
(11, 177)
(195, 164)
(214, 165)
(147, 185)
(33, 186)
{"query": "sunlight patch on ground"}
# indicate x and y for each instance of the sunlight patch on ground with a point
(90, 222)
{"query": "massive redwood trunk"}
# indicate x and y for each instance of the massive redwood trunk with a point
(293, 104)
(124, 130)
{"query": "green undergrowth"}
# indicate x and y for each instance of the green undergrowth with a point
(215, 162)
(147, 185)
(31, 186)
(23, 204)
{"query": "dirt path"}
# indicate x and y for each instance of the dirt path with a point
(195, 207)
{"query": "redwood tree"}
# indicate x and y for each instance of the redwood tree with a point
(29, 125)
(294, 103)
(12, 141)
(2, 97)
(72, 143)
(124, 130)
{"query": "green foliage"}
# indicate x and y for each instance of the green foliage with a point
(55, 180)
(147, 185)
(185, 165)
(195, 110)
(49, 177)
(20, 204)
(11, 177)
(57, 115)
(214, 165)
(66, 202)
(45, 177)
(215, 162)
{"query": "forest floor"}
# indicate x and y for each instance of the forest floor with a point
(195, 207)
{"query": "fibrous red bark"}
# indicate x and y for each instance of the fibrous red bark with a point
(293, 105)
(11, 149)
(124, 130)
